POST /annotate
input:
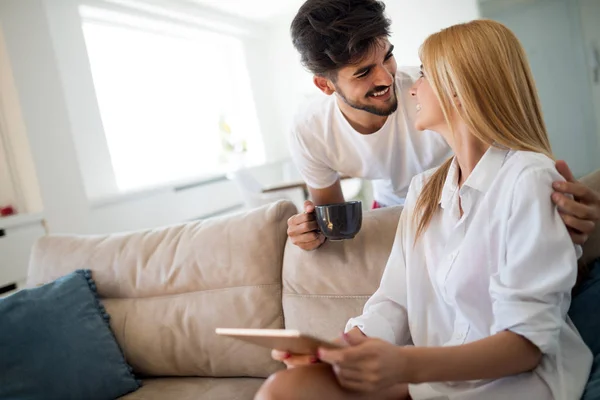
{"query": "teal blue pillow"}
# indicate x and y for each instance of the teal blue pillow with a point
(584, 314)
(56, 343)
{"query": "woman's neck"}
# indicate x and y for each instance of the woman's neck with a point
(468, 150)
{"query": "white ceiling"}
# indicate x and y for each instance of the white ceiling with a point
(256, 10)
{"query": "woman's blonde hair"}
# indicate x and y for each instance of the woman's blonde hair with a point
(483, 65)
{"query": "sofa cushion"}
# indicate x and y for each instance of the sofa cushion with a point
(55, 343)
(167, 289)
(197, 389)
(322, 289)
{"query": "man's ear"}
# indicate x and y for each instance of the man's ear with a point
(324, 84)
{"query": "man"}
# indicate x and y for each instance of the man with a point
(365, 129)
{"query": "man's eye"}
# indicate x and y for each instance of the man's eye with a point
(389, 56)
(363, 74)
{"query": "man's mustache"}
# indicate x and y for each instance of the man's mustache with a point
(377, 90)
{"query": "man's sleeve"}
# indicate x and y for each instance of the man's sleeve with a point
(310, 158)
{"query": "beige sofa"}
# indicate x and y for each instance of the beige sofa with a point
(168, 289)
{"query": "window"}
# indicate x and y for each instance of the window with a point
(175, 100)
(7, 190)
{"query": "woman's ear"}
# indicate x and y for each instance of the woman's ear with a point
(456, 100)
(324, 84)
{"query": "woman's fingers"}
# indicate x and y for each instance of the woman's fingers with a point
(279, 355)
(292, 360)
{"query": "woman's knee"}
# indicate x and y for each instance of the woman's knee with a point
(278, 386)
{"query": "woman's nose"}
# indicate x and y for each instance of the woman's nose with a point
(413, 90)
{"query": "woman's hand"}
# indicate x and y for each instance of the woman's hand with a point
(291, 360)
(580, 214)
(294, 360)
(367, 365)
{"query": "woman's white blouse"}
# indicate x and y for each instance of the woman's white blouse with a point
(507, 264)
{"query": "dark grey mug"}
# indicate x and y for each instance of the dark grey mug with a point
(339, 221)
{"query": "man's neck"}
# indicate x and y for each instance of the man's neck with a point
(362, 121)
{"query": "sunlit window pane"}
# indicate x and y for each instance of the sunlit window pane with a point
(168, 101)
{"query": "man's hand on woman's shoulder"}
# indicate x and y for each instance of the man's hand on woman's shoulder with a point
(581, 212)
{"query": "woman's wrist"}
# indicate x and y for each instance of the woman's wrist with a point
(408, 366)
(355, 332)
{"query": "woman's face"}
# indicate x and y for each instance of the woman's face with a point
(429, 111)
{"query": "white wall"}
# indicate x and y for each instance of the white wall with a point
(590, 17)
(44, 110)
(412, 22)
(7, 194)
(261, 68)
(86, 127)
(18, 168)
(550, 31)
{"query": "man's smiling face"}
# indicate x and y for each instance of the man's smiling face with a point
(369, 84)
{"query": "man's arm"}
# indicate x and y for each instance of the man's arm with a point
(330, 195)
(302, 228)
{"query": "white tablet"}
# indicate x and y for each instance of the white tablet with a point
(289, 340)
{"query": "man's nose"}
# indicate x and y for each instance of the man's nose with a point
(383, 77)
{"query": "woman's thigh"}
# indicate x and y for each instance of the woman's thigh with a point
(318, 382)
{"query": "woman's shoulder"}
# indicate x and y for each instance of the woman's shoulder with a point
(529, 165)
(417, 183)
(419, 180)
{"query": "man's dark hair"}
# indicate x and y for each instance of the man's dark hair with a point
(330, 34)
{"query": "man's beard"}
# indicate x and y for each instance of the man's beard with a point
(382, 112)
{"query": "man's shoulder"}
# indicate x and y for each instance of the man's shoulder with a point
(312, 115)
(419, 180)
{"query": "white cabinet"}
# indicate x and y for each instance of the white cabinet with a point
(17, 236)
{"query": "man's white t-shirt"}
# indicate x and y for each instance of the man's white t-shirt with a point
(324, 146)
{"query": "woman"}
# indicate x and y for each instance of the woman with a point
(474, 298)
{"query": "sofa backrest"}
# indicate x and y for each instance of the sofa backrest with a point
(322, 289)
(167, 289)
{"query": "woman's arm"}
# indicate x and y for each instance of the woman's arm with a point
(385, 314)
(369, 365)
(497, 356)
